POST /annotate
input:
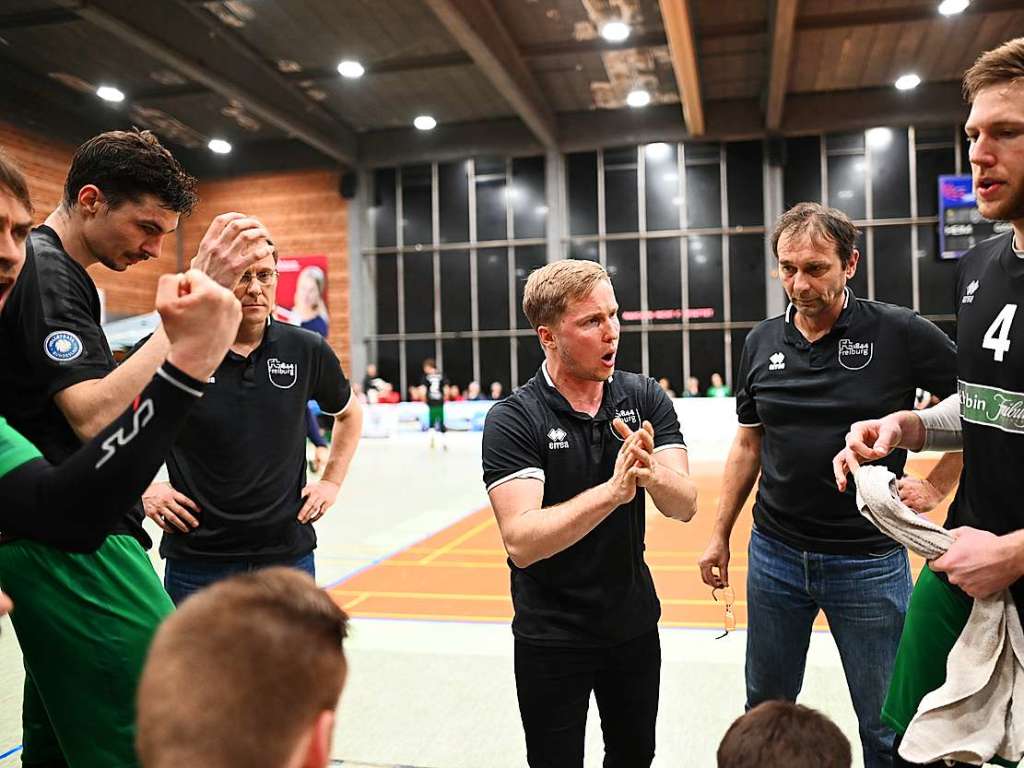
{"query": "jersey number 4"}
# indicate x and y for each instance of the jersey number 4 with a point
(997, 337)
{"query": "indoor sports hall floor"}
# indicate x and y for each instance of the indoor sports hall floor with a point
(412, 553)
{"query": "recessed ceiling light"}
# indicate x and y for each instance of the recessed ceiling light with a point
(907, 82)
(425, 122)
(615, 31)
(953, 7)
(109, 93)
(351, 69)
(219, 146)
(638, 98)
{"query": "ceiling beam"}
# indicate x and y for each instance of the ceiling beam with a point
(225, 73)
(904, 15)
(477, 28)
(778, 73)
(27, 19)
(679, 29)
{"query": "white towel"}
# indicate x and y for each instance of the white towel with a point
(970, 718)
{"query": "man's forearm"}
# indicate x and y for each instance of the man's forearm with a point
(348, 428)
(674, 494)
(92, 405)
(741, 470)
(945, 474)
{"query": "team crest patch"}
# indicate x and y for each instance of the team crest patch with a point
(854, 355)
(282, 374)
(630, 417)
(62, 346)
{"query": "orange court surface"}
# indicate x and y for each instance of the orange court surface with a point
(460, 573)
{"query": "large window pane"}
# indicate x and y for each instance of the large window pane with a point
(859, 283)
(383, 211)
(624, 269)
(893, 281)
(802, 171)
(456, 299)
(389, 364)
(704, 262)
(937, 276)
(746, 277)
(581, 179)
(416, 205)
(745, 184)
(386, 287)
(890, 173)
(418, 279)
(528, 258)
(628, 356)
(586, 250)
(529, 356)
(932, 163)
(492, 284)
(707, 356)
(664, 285)
(620, 190)
(415, 353)
(665, 351)
(703, 196)
(739, 335)
(845, 141)
(453, 195)
(846, 185)
(661, 178)
(491, 199)
(458, 361)
(496, 363)
(530, 210)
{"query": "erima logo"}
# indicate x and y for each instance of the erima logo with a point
(557, 437)
(282, 374)
(777, 362)
(62, 346)
(119, 439)
(969, 294)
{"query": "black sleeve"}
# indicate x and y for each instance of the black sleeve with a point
(331, 390)
(932, 357)
(43, 502)
(746, 405)
(510, 449)
(662, 415)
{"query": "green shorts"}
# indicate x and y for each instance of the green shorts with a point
(435, 416)
(84, 623)
(935, 618)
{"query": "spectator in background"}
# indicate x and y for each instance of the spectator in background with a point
(454, 393)
(370, 380)
(387, 394)
(473, 391)
(692, 387)
(666, 386)
(268, 649)
(718, 387)
(434, 387)
(780, 734)
(496, 390)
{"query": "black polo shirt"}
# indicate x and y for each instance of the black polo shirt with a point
(241, 453)
(990, 369)
(51, 339)
(599, 591)
(806, 395)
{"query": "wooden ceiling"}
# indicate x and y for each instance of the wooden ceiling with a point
(500, 76)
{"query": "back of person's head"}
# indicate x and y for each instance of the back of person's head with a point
(246, 673)
(780, 734)
(126, 166)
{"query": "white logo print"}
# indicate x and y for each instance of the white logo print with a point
(282, 374)
(140, 419)
(557, 437)
(777, 362)
(969, 293)
(854, 355)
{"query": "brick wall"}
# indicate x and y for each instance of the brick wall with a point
(303, 211)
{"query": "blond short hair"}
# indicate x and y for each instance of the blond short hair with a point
(1004, 64)
(550, 289)
(239, 672)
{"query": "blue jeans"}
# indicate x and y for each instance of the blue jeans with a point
(864, 598)
(182, 576)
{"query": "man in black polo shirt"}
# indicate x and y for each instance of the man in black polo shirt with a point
(124, 193)
(830, 359)
(237, 499)
(987, 418)
(566, 461)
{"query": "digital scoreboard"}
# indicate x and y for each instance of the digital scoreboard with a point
(961, 225)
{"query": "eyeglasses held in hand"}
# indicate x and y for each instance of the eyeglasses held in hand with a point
(728, 597)
(264, 277)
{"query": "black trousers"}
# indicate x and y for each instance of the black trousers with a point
(554, 686)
